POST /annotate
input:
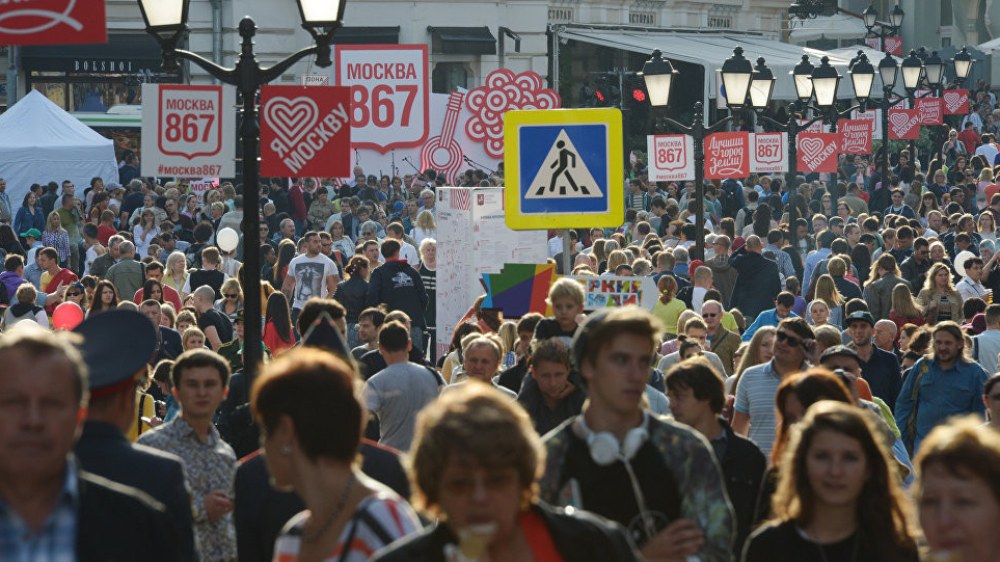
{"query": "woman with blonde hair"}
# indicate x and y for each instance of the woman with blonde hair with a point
(507, 335)
(818, 313)
(838, 497)
(672, 344)
(905, 309)
(145, 232)
(616, 258)
(938, 299)
(231, 302)
(760, 350)
(176, 272)
(55, 236)
(668, 307)
(826, 291)
(425, 227)
(987, 226)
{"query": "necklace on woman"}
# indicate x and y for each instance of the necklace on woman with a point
(313, 536)
(854, 550)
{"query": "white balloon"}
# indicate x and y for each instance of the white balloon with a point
(227, 239)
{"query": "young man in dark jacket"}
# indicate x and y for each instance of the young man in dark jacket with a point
(398, 286)
(697, 395)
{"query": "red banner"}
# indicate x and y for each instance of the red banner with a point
(52, 22)
(817, 152)
(855, 136)
(956, 102)
(305, 131)
(904, 124)
(931, 111)
(727, 155)
(892, 44)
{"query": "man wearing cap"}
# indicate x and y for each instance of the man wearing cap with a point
(656, 477)
(32, 240)
(115, 374)
(50, 508)
(880, 368)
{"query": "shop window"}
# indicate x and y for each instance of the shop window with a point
(449, 75)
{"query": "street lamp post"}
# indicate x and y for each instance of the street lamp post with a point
(737, 75)
(166, 20)
(885, 28)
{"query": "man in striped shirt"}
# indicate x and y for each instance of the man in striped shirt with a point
(754, 415)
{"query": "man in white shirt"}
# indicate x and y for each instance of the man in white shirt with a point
(986, 345)
(306, 275)
(971, 286)
(406, 250)
(987, 149)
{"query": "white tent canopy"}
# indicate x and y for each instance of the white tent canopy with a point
(39, 143)
(710, 50)
(991, 45)
(838, 26)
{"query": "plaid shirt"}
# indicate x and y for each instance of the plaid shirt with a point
(55, 541)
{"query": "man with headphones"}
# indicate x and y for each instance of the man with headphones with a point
(657, 478)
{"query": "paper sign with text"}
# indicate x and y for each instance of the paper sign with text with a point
(768, 153)
(389, 94)
(819, 126)
(874, 119)
(305, 131)
(817, 152)
(931, 111)
(188, 131)
(904, 124)
(671, 157)
(956, 102)
(855, 136)
(727, 155)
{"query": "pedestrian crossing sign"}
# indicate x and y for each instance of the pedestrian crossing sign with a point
(564, 168)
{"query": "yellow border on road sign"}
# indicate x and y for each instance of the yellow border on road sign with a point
(513, 120)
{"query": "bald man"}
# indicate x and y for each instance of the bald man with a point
(757, 283)
(885, 335)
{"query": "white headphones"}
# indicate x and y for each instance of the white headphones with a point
(605, 448)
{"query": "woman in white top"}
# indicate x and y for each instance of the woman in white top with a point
(425, 227)
(145, 232)
(176, 271)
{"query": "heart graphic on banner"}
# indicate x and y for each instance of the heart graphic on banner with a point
(954, 100)
(899, 121)
(291, 119)
(811, 148)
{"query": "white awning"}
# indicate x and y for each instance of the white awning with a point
(839, 26)
(710, 50)
(991, 45)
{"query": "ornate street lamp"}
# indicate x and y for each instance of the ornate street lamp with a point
(658, 74)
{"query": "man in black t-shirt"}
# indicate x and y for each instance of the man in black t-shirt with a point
(218, 329)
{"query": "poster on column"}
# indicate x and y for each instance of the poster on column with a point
(818, 126)
(956, 102)
(904, 124)
(931, 111)
(305, 131)
(874, 119)
(817, 152)
(472, 240)
(671, 157)
(768, 153)
(855, 136)
(188, 131)
(727, 155)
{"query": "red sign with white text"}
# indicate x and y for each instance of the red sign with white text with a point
(956, 102)
(931, 111)
(727, 155)
(52, 22)
(855, 136)
(305, 131)
(817, 152)
(904, 124)
(390, 100)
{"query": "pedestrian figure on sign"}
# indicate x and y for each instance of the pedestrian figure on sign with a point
(563, 169)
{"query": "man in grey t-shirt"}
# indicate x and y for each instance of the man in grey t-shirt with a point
(395, 394)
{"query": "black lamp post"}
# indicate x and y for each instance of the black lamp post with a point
(737, 75)
(166, 20)
(885, 28)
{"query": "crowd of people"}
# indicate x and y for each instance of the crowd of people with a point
(815, 385)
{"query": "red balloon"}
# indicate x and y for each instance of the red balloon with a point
(67, 316)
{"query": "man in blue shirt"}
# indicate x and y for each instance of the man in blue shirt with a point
(825, 239)
(939, 386)
(771, 317)
(880, 368)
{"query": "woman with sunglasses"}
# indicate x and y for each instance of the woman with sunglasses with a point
(76, 293)
(231, 302)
